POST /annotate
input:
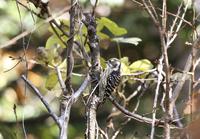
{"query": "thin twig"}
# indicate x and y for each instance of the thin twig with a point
(169, 13)
(25, 33)
(133, 115)
(160, 69)
(147, 8)
(60, 80)
(70, 43)
(171, 39)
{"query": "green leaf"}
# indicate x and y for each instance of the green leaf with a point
(125, 60)
(84, 30)
(112, 26)
(99, 27)
(141, 65)
(76, 80)
(132, 40)
(125, 69)
(65, 23)
(103, 62)
(53, 40)
(51, 81)
(63, 65)
(102, 35)
(125, 65)
(87, 48)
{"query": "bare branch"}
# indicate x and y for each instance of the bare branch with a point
(169, 13)
(160, 70)
(135, 116)
(150, 12)
(173, 34)
(70, 42)
(38, 94)
(95, 75)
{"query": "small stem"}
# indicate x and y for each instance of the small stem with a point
(119, 50)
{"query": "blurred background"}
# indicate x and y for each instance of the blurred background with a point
(16, 105)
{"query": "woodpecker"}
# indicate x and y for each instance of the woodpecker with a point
(110, 78)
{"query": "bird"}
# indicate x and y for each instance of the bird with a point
(110, 78)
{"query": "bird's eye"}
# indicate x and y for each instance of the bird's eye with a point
(115, 65)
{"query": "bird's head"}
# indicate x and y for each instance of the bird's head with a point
(114, 64)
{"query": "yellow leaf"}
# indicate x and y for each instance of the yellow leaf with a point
(141, 65)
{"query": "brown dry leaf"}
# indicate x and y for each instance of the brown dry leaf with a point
(192, 130)
(36, 79)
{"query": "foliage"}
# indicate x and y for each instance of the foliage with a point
(132, 35)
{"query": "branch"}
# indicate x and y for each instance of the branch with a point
(64, 118)
(37, 93)
(70, 43)
(151, 12)
(95, 71)
(66, 102)
(60, 80)
(134, 116)
(169, 13)
(27, 32)
(173, 34)
(160, 70)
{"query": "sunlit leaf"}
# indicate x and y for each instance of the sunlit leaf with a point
(51, 81)
(87, 48)
(63, 65)
(84, 29)
(125, 60)
(132, 40)
(125, 69)
(52, 40)
(102, 35)
(65, 22)
(141, 65)
(103, 62)
(112, 26)
(99, 26)
(76, 80)
(125, 65)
